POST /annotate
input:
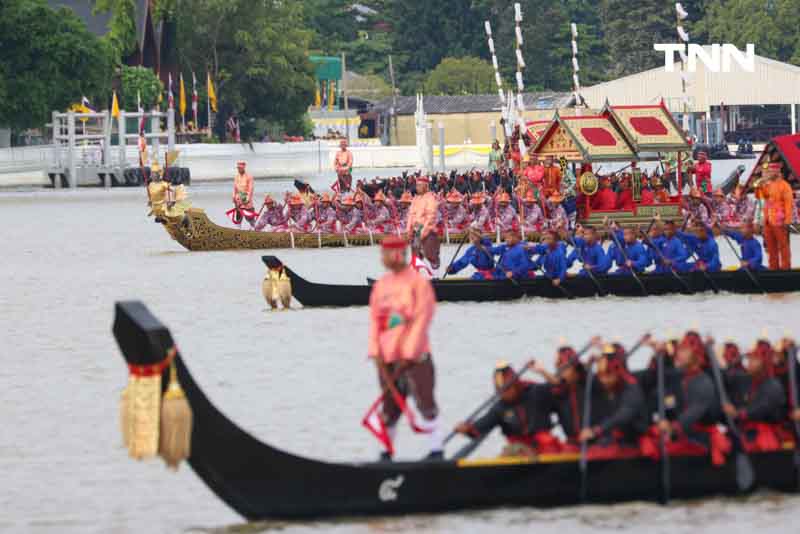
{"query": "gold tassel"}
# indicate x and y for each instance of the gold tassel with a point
(176, 423)
(124, 415)
(144, 399)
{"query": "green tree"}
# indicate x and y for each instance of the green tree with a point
(630, 28)
(461, 76)
(546, 44)
(592, 50)
(256, 52)
(425, 32)
(370, 87)
(121, 34)
(139, 81)
(771, 26)
(49, 61)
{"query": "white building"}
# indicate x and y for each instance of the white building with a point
(757, 105)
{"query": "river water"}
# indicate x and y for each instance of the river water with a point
(297, 379)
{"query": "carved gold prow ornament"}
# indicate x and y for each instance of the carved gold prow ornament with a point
(277, 288)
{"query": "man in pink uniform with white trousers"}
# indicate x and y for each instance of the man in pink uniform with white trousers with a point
(401, 308)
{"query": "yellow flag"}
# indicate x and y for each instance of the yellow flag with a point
(318, 98)
(115, 106)
(182, 104)
(212, 94)
(331, 94)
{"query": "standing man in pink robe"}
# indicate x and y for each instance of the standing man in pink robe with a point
(242, 197)
(344, 167)
(401, 306)
(421, 226)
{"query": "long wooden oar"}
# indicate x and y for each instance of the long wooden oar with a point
(625, 256)
(586, 417)
(662, 440)
(745, 476)
(601, 290)
(792, 363)
(564, 290)
(746, 269)
(475, 443)
(664, 261)
(463, 240)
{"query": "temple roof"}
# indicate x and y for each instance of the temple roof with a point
(584, 138)
(648, 128)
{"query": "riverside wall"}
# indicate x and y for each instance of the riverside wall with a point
(25, 166)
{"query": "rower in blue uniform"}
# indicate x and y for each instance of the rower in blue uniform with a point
(704, 246)
(638, 259)
(751, 251)
(589, 251)
(673, 250)
(657, 237)
(552, 259)
(477, 255)
(514, 261)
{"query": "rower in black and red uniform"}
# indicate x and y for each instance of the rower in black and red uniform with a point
(761, 405)
(781, 361)
(618, 409)
(568, 390)
(692, 406)
(522, 413)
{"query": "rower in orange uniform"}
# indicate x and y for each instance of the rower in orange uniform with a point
(421, 226)
(344, 166)
(402, 304)
(552, 177)
(778, 205)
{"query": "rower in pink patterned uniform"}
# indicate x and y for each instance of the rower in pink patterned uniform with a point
(479, 215)
(557, 218)
(377, 215)
(695, 210)
(455, 214)
(403, 206)
(743, 208)
(349, 216)
(272, 215)
(325, 215)
(721, 208)
(299, 219)
(506, 215)
(532, 218)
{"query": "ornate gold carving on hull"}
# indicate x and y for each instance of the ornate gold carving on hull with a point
(197, 233)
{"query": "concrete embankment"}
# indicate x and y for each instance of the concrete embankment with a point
(25, 167)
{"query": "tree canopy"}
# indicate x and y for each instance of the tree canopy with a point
(256, 52)
(461, 76)
(49, 61)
